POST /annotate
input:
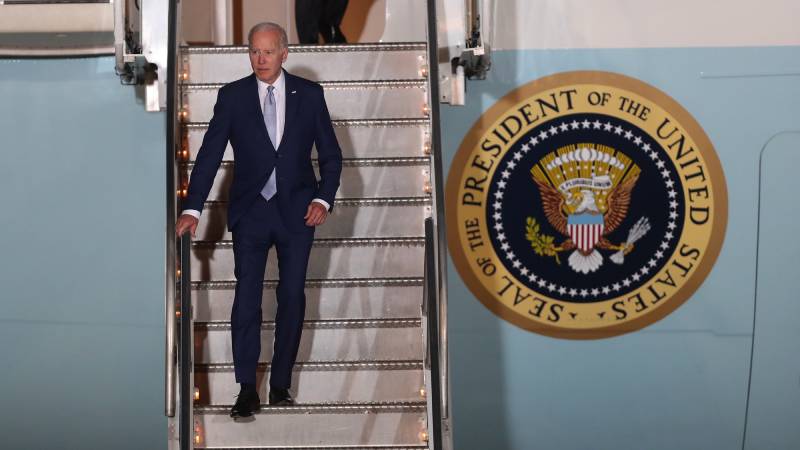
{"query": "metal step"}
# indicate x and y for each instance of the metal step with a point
(330, 258)
(331, 426)
(382, 99)
(383, 217)
(326, 382)
(379, 138)
(392, 178)
(390, 298)
(328, 447)
(401, 60)
(385, 339)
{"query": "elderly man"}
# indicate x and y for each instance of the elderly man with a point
(272, 119)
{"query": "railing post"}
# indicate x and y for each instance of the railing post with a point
(186, 362)
(432, 360)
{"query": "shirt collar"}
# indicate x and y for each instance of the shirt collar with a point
(278, 84)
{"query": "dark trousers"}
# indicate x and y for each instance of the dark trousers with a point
(315, 16)
(255, 233)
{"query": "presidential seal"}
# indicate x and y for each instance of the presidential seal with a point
(585, 205)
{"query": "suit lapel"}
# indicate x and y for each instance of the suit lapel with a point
(292, 99)
(254, 105)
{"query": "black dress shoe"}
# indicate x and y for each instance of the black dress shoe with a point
(247, 402)
(280, 397)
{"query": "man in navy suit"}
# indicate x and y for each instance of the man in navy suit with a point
(272, 119)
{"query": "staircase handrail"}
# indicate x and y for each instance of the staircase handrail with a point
(439, 240)
(436, 258)
(170, 294)
(432, 361)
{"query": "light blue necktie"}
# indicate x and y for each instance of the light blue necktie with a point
(271, 121)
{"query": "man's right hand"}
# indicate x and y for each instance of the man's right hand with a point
(186, 222)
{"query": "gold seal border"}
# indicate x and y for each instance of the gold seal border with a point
(565, 79)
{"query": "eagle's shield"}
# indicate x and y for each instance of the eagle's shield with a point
(585, 230)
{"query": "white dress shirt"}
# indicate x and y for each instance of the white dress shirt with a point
(280, 108)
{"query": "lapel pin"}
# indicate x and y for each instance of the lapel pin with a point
(293, 92)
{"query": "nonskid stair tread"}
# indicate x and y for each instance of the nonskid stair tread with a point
(328, 407)
(380, 122)
(403, 83)
(413, 241)
(331, 447)
(324, 324)
(419, 200)
(327, 48)
(350, 162)
(313, 283)
(323, 365)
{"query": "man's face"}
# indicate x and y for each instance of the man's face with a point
(267, 56)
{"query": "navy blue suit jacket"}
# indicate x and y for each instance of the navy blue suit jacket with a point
(238, 119)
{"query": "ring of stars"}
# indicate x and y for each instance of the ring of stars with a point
(594, 292)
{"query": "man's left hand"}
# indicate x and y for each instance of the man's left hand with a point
(316, 214)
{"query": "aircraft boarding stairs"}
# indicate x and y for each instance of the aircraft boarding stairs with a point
(360, 380)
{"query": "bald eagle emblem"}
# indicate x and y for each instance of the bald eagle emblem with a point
(585, 195)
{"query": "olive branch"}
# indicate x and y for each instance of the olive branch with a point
(542, 245)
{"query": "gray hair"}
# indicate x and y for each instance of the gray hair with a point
(269, 26)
